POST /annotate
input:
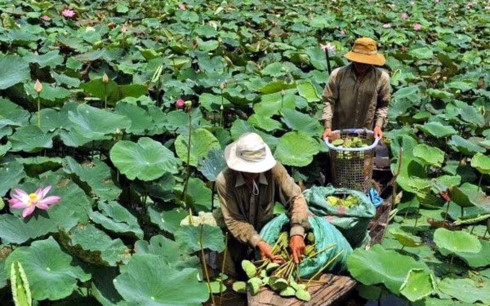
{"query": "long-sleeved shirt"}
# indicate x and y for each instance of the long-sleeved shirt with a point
(351, 103)
(245, 213)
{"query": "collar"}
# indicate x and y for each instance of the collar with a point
(240, 180)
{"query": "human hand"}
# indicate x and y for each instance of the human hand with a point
(265, 251)
(377, 132)
(327, 133)
(297, 246)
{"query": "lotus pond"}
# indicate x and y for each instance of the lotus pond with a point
(124, 107)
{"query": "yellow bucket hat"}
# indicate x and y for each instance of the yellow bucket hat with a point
(365, 51)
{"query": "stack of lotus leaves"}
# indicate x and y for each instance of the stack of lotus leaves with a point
(282, 278)
(347, 202)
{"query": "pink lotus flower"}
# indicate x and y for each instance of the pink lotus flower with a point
(180, 103)
(182, 6)
(342, 32)
(21, 200)
(387, 25)
(417, 26)
(329, 47)
(45, 18)
(403, 16)
(68, 13)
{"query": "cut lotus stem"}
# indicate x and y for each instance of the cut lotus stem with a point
(324, 267)
(321, 251)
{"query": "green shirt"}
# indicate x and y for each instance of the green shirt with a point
(245, 213)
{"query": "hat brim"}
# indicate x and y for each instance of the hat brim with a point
(372, 59)
(238, 164)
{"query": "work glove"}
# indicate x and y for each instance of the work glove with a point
(265, 251)
(297, 246)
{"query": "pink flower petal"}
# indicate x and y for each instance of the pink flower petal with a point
(48, 201)
(45, 191)
(28, 211)
(15, 203)
(21, 195)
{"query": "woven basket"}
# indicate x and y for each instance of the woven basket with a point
(352, 167)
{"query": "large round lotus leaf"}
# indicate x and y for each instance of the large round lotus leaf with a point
(178, 120)
(213, 102)
(116, 218)
(5, 148)
(481, 162)
(112, 90)
(146, 160)
(422, 53)
(406, 239)
(94, 246)
(14, 70)
(466, 290)
(51, 95)
(52, 120)
(140, 120)
(212, 164)
(296, 149)
(271, 104)
(308, 91)
(265, 123)
(191, 237)
(45, 263)
(12, 114)
(73, 207)
(95, 123)
(148, 280)
(167, 220)
(465, 146)
(480, 259)
(98, 175)
(202, 141)
(11, 174)
(410, 166)
(200, 194)
(463, 195)
(430, 155)
(73, 138)
(30, 138)
(418, 284)
(381, 268)
(300, 122)
(103, 285)
(456, 241)
(50, 59)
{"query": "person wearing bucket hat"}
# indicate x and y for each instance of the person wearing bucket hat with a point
(248, 190)
(357, 95)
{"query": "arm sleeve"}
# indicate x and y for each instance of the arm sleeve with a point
(330, 96)
(235, 222)
(292, 197)
(384, 96)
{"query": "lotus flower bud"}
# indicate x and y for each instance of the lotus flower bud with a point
(180, 103)
(38, 87)
(105, 78)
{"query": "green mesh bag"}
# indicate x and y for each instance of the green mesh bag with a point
(352, 222)
(325, 235)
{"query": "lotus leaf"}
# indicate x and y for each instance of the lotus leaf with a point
(437, 129)
(430, 155)
(418, 285)
(167, 220)
(213, 102)
(271, 104)
(146, 160)
(477, 260)
(11, 174)
(12, 114)
(481, 162)
(14, 70)
(300, 122)
(456, 241)
(50, 59)
(44, 262)
(212, 164)
(202, 141)
(112, 90)
(142, 283)
(140, 119)
(21, 293)
(264, 123)
(199, 194)
(52, 120)
(51, 95)
(465, 146)
(103, 286)
(190, 238)
(381, 268)
(308, 91)
(30, 138)
(115, 217)
(466, 290)
(296, 149)
(406, 239)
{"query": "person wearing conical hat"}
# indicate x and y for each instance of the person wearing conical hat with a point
(357, 95)
(248, 190)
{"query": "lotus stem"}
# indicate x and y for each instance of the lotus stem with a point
(205, 265)
(222, 109)
(321, 251)
(188, 166)
(447, 211)
(324, 267)
(105, 96)
(451, 263)
(38, 111)
(479, 181)
(223, 270)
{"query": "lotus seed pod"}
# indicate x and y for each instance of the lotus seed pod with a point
(249, 268)
(303, 295)
(240, 287)
(289, 291)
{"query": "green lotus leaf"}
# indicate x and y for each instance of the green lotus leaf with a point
(5, 148)
(464, 195)
(142, 283)
(191, 237)
(481, 163)
(381, 268)
(12, 114)
(116, 218)
(418, 284)
(296, 149)
(199, 194)
(271, 104)
(74, 138)
(477, 260)
(44, 262)
(212, 164)
(406, 239)
(51, 95)
(456, 241)
(21, 292)
(97, 175)
(50, 59)
(410, 166)
(465, 146)
(466, 290)
(102, 286)
(140, 120)
(300, 122)
(308, 91)
(471, 115)
(423, 53)
(317, 58)
(265, 123)
(213, 102)
(14, 70)
(179, 120)
(167, 220)
(71, 209)
(63, 79)
(52, 120)
(430, 155)
(276, 86)
(436, 129)
(30, 138)
(448, 181)
(146, 160)
(274, 70)
(102, 251)
(112, 90)
(202, 141)
(11, 174)
(439, 94)
(95, 123)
